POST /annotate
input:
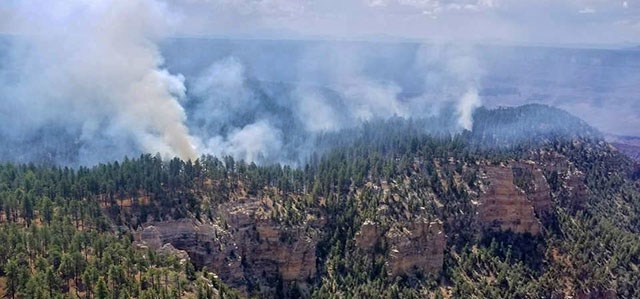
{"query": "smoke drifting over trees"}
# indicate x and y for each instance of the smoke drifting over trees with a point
(85, 82)
(92, 70)
(277, 119)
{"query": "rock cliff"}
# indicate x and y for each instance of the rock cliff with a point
(244, 247)
(570, 188)
(504, 206)
(412, 247)
(535, 186)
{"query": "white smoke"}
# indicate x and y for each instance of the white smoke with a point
(452, 73)
(255, 142)
(225, 97)
(468, 103)
(267, 121)
(315, 112)
(91, 72)
(219, 117)
(361, 97)
(367, 99)
(95, 65)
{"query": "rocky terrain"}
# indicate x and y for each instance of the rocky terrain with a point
(242, 246)
(414, 247)
(504, 206)
(395, 213)
(248, 246)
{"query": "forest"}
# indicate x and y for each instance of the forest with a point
(75, 232)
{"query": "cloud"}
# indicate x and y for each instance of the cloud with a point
(262, 7)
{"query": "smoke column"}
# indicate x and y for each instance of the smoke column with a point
(452, 73)
(334, 89)
(466, 105)
(95, 66)
(85, 82)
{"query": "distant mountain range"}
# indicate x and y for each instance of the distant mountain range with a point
(628, 145)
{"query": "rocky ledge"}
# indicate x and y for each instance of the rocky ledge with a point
(412, 247)
(244, 248)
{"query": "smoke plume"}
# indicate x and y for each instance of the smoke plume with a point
(92, 68)
(86, 82)
(256, 112)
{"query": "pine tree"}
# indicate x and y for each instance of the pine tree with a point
(101, 290)
(27, 209)
(12, 272)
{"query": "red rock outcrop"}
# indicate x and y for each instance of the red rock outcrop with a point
(573, 192)
(246, 246)
(184, 234)
(538, 190)
(418, 246)
(413, 247)
(503, 206)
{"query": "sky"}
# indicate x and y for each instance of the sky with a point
(558, 22)
(555, 22)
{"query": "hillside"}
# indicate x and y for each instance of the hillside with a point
(532, 203)
(628, 145)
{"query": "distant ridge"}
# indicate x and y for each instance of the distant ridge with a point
(628, 145)
(532, 123)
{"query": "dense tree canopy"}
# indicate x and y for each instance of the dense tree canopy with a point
(67, 232)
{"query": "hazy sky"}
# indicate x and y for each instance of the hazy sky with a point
(512, 21)
(528, 21)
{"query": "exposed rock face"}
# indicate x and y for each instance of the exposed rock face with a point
(420, 246)
(504, 206)
(572, 190)
(183, 234)
(368, 236)
(294, 258)
(289, 252)
(246, 248)
(417, 246)
(168, 249)
(187, 235)
(537, 189)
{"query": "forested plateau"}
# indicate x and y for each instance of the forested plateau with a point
(530, 203)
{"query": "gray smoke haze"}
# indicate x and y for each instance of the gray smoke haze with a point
(550, 22)
(452, 71)
(85, 82)
(93, 70)
(276, 121)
